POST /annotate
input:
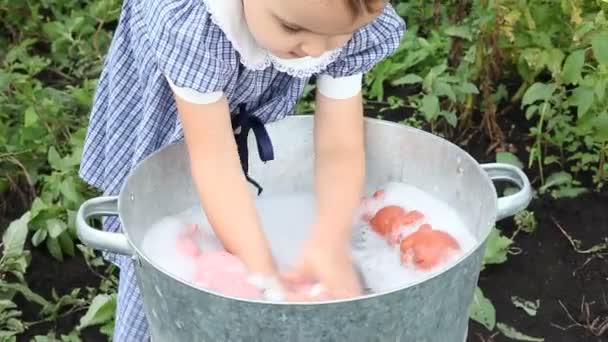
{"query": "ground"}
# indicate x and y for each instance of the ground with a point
(550, 270)
(572, 286)
(44, 274)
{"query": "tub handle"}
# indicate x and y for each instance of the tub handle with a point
(98, 239)
(512, 204)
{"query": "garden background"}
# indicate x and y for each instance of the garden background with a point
(515, 81)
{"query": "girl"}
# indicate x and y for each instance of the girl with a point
(211, 71)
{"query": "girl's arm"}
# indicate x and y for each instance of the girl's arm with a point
(222, 187)
(339, 164)
(339, 176)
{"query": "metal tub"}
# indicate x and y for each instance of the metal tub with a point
(435, 310)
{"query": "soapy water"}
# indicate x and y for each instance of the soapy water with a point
(287, 219)
(380, 263)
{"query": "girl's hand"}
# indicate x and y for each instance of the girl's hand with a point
(222, 187)
(339, 177)
(328, 263)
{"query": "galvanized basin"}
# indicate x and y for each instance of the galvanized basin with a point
(435, 310)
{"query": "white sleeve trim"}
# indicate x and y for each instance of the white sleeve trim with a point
(193, 96)
(339, 88)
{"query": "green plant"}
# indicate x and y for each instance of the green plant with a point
(52, 337)
(455, 56)
(100, 312)
(13, 265)
(526, 221)
(498, 248)
(569, 108)
(44, 99)
(438, 84)
(51, 53)
(54, 210)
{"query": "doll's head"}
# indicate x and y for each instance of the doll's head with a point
(301, 28)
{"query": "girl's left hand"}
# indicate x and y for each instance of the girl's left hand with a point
(328, 263)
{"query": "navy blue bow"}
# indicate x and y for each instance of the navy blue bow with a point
(241, 124)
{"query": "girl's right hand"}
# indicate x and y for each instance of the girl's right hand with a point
(329, 264)
(222, 187)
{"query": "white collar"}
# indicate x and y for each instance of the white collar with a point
(229, 16)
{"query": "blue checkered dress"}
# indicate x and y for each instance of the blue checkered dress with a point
(134, 113)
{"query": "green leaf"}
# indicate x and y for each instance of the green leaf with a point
(14, 327)
(530, 111)
(26, 292)
(599, 45)
(13, 239)
(55, 159)
(72, 222)
(55, 227)
(67, 243)
(600, 126)
(72, 337)
(54, 248)
(554, 59)
(39, 236)
(556, 179)
(107, 329)
(526, 220)
(30, 117)
(38, 206)
(463, 32)
(573, 67)
(537, 92)
(100, 311)
(600, 87)
(550, 160)
(469, 88)
(68, 190)
(407, 79)
(430, 107)
(582, 98)
(482, 311)
(450, 117)
(568, 192)
(431, 76)
(439, 69)
(513, 334)
(497, 248)
(509, 158)
(528, 306)
(444, 89)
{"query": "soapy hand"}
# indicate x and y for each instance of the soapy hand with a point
(329, 265)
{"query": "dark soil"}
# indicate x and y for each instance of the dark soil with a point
(45, 274)
(548, 269)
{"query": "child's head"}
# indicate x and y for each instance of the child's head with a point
(300, 28)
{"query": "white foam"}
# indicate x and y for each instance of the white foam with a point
(381, 265)
(287, 220)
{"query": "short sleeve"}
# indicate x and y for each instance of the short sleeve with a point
(369, 45)
(191, 51)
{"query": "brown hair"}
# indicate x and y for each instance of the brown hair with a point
(359, 7)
